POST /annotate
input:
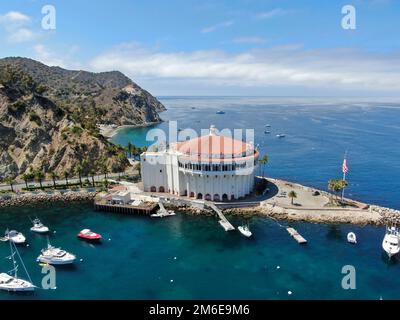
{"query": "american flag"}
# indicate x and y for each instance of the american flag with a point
(345, 168)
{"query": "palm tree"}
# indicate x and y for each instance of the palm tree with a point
(130, 148)
(26, 177)
(79, 170)
(104, 169)
(138, 167)
(39, 175)
(92, 173)
(66, 175)
(263, 161)
(10, 181)
(334, 186)
(54, 177)
(292, 195)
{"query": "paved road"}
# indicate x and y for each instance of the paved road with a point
(20, 185)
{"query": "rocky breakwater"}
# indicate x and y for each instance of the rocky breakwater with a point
(389, 216)
(25, 199)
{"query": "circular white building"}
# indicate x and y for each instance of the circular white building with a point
(211, 167)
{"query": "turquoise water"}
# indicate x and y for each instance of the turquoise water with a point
(137, 257)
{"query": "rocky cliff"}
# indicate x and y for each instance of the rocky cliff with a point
(48, 117)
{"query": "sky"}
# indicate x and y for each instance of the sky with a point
(217, 47)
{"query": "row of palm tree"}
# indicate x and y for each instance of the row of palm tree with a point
(133, 151)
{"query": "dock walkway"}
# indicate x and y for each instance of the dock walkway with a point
(298, 237)
(223, 221)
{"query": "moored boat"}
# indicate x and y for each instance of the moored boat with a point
(13, 283)
(245, 230)
(280, 135)
(55, 256)
(351, 238)
(390, 241)
(88, 234)
(14, 236)
(220, 112)
(39, 227)
(162, 214)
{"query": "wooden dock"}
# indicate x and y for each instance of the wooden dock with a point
(146, 208)
(298, 237)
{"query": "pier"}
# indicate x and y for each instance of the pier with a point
(298, 237)
(146, 208)
(223, 221)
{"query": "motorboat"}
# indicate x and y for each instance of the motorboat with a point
(220, 112)
(162, 214)
(351, 238)
(15, 236)
(390, 242)
(10, 281)
(267, 132)
(268, 126)
(55, 256)
(39, 227)
(88, 234)
(280, 135)
(245, 230)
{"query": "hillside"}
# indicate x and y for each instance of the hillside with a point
(48, 117)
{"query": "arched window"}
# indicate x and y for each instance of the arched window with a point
(216, 197)
(224, 197)
(192, 194)
(208, 197)
(200, 196)
(153, 189)
(161, 189)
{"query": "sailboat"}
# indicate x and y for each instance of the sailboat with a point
(390, 242)
(10, 281)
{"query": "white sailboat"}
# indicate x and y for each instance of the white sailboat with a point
(14, 236)
(55, 256)
(245, 230)
(39, 227)
(390, 242)
(10, 281)
(162, 214)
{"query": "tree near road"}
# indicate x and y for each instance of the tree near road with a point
(292, 195)
(66, 175)
(263, 161)
(54, 177)
(39, 175)
(78, 171)
(10, 181)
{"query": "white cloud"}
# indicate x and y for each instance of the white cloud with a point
(17, 27)
(288, 66)
(249, 40)
(270, 14)
(14, 17)
(51, 58)
(213, 28)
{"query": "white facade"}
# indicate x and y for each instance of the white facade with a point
(211, 167)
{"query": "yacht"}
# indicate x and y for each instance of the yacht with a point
(267, 132)
(14, 236)
(10, 281)
(55, 256)
(162, 214)
(390, 242)
(245, 230)
(351, 238)
(39, 227)
(280, 135)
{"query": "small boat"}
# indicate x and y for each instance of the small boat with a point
(220, 112)
(161, 214)
(55, 256)
(390, 242)
(280, 135)
(351, 238)
(267, 132)
(39, 227)
(15, 236)
(10, 281)
(245, 230)
(88, 234)
(268, 126)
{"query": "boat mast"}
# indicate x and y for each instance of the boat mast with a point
(15, 266)
(23, 265)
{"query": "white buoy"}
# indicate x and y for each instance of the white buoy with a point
(171, 280)
(54, 231)
(27, 245)
(289, 293)
(109, 239)
(175, 258)
(278, 267)
(81, 260)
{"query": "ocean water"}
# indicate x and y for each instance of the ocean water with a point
(186, 257)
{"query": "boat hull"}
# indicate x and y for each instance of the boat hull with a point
(55, 262)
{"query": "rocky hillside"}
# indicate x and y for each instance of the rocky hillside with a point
(48, 118)
(107, 97)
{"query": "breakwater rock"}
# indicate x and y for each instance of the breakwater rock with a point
(24, 199)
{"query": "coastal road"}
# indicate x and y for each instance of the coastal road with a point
(20, 185)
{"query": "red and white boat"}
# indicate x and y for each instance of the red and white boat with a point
(87, 234)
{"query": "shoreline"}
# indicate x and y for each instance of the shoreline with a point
(109, 132)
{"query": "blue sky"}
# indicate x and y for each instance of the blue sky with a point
(244, 47)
